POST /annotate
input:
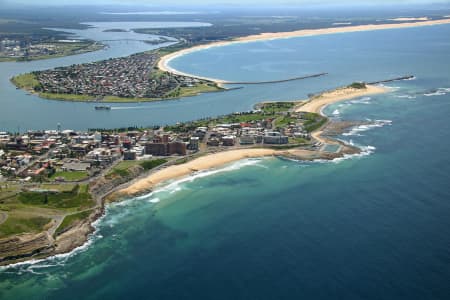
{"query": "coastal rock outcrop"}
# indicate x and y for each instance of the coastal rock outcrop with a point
(25, 246)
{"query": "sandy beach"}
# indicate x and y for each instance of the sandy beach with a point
(208, 162)
(318, 103)
(163, 63)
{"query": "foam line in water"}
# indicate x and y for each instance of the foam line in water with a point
(363, 100)
(336, 112)
(437, 92)
(169, 188)
(406, 97)
(356, 131)
(201, 174)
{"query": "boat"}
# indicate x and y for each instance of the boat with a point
(102, 107)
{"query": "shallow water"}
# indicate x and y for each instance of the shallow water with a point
(374, 226)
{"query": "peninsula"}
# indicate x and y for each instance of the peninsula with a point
(59, 181)
(313, 105)
(127, 79)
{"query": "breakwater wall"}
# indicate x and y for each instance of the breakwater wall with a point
(275, 81)
(407, 77)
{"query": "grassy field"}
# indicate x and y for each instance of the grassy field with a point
(27, 81)
(23, 224)
(29, 211)
(71, 220)
(70, 176)
(125, 164)
(151, 164)
(283, 121)
(78, 198)
(194, 90)
(123, 168)
(273, 107)
(67, 97)
(314, 121)
(299, 141)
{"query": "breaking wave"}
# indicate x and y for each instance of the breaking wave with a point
(171, 187)
(406, 96)
(363, 100)
(437, 92)
(356, 131)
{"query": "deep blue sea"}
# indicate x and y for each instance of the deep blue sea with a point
(373, 226)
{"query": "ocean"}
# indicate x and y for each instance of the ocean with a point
(372, 226)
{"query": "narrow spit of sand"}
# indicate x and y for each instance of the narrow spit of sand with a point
(317, 103)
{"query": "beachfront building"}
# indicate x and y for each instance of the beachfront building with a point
(163, 146)
(247, 140)
(228, 140)
(275, 138)
(194, 142)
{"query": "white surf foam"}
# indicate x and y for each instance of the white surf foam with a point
(61, 259)
(342, 23)
(438, 92)
(356, 131)
(363, 100)
(175, 185)
(55, 260)
(406, 97)
(154, 200)
(365, 151)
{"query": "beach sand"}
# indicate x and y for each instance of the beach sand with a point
(318, 103)
(163, 63)
(208, 162)
(315, 104)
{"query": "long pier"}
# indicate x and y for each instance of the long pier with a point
(275, 81)
(393, 79)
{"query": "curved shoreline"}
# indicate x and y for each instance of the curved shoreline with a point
(314, 105)
(79, 234)
(164, 62)
(318, 103)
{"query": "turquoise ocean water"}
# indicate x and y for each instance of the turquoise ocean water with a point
(374, 226)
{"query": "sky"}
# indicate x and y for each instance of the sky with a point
(222, 2)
